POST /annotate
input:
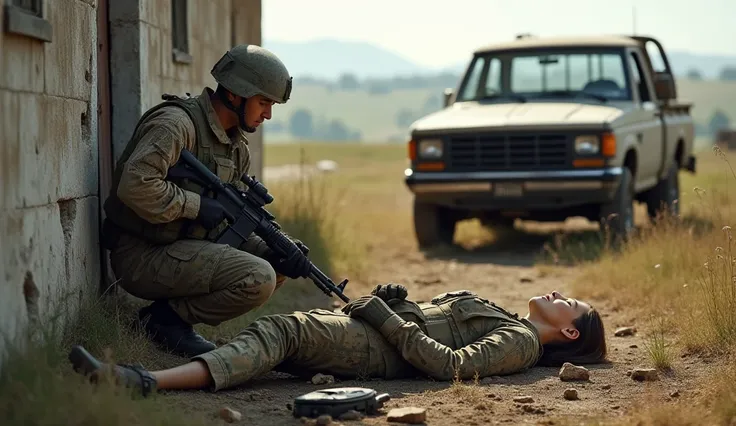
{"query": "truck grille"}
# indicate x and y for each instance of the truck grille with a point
(508, 152)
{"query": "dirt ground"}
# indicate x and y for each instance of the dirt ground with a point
(505, 273)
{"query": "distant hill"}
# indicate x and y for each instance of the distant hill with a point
(328, 59)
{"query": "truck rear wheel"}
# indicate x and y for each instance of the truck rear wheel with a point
(617, 216)
(666, 195)
(433, 224)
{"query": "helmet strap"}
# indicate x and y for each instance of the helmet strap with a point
(239, 110)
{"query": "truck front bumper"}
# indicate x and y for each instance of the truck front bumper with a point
(528, 191)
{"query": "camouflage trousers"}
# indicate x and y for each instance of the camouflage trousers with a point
(203, 282)
(303, 344)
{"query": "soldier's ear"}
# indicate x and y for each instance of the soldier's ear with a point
(571, 333)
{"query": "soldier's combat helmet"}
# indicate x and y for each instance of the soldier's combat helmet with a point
(247, 70)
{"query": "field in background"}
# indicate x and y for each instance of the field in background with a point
(359, 216)
(375, 115)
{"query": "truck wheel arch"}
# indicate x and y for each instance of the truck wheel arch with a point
(630, 161)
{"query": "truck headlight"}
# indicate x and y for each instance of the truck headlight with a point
(430, 149)
(587, 145)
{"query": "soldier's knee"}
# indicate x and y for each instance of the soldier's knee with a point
(260, 280)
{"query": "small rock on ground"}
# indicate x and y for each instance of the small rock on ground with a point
(526, 399)
(351, 415)
(230, 415)
(412, 415)
(644, 374)
(571, 394)
(322, 379)
(624, 331)
(324, 419)
(570, 372)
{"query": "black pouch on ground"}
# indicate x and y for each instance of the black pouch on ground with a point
(337, 401)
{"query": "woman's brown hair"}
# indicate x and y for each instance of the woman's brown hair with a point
(588, 348)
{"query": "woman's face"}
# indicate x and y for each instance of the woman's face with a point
(556, 310)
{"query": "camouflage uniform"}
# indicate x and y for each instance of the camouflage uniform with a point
(456, 334)
(158, 252)
(159, 228)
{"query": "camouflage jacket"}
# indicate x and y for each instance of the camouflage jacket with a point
(458, 334)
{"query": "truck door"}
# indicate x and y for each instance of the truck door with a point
(647, 130)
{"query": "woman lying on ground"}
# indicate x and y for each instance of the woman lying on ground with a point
(457, 334)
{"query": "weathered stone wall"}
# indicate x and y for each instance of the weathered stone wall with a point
(148, 25)
(48, 167)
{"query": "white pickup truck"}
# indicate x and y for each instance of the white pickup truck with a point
(549, 128)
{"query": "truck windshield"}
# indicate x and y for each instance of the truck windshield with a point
(521, 76)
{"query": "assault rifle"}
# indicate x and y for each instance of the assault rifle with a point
(246, 214)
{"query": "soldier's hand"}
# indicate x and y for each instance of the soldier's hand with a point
(295, 266)
(369, 308)
(301, 246)
(211, 213)
(390, 293)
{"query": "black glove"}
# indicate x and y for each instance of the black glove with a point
(369, 308)
(301, 246)
(295, 266)
(211, 213)
(390, 293)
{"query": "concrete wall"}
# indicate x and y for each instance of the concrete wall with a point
(49, 148)
(139, 83)
(48, 165)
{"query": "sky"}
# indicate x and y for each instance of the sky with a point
(438, 33)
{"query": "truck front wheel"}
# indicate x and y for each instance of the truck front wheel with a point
(433, 224)
(617, 216)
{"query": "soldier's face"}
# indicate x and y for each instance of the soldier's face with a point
(557, 310)
(257, 110)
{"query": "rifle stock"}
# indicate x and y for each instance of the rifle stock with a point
(246, 214)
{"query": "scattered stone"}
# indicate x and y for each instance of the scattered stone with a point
(570, 372)
(230, 415)
(324, 419)
(526, 399)
(289, 406)
(482, 406)
(571, 394)
(633, 346)
(322, 379)
(412, 415)
(531, 409)
(624, 331)
(526, 279)
(675, 393)
(606, 387)
(491, 395)
(615, 407)
(306, 420)
(644, 374)
(486, 381)
(628, 373)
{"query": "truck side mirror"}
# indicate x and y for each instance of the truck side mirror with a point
(447, 94)
(664, 86)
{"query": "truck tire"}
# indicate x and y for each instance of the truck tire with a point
(433, 225)
(666, 195)
(617, 216)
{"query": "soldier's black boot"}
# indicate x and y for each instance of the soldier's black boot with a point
(130, 376)
(165, 327)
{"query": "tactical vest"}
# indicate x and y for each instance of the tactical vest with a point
(448, 318)
(222, 159)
